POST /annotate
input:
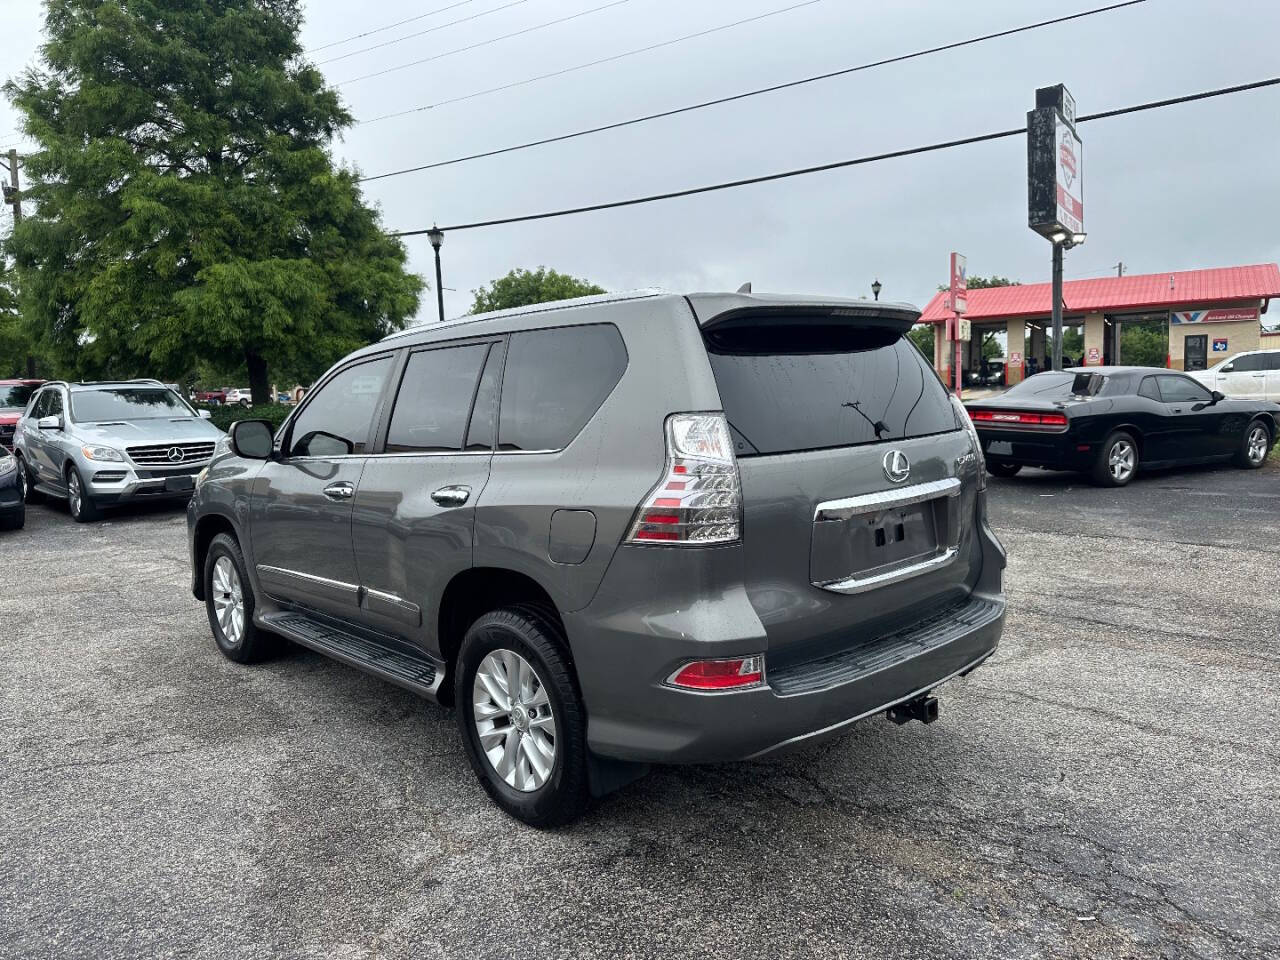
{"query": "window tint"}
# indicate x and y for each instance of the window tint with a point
(53, 405)
(337, 417)
(126, 403)
(555, 380)
(1149, 389)
(1182, 390)
(435, 399)
(1048, 384)
(15, 397)
(1249, 363)
(1273, 359)
(796, 386)
(484, 415)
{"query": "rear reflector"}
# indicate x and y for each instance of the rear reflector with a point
(719, 674)
(1017, 418)
(698, 499)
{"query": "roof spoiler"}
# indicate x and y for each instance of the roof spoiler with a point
(729, 311)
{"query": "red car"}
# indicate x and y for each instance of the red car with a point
(14, 395)
(212, 397)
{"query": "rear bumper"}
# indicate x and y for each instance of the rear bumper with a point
(1052, 451)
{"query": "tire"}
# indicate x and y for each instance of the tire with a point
(559, 793)
(226, 580)
(83, 507)
(1006, 470)
(1123, 449)
(29, 492)
(244, 403)
(1255, 445)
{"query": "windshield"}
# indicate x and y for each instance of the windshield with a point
(15, 397)
(126, 403)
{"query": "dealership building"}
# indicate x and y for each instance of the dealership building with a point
(1209, 315)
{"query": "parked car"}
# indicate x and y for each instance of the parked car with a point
(99, 444)
(240, 395)
(13, 507)
(1110, 421)
(213, 398)
(618, 530)
(1254, 375)
(14, 395)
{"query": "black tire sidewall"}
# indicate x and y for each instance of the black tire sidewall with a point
(224, 546)
(1003, 470)
(563, 796)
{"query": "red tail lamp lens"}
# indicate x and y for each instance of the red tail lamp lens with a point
(720, 674)
(1017, 418)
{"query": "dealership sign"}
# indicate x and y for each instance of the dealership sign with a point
(1055, 165)
(1229, 315)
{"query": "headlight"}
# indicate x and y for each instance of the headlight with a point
(102, 453)
(7, 464)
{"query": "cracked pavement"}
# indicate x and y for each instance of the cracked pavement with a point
(1108, 785)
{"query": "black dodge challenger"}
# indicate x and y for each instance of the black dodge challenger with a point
(1110, 421)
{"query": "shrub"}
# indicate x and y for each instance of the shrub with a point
(223, 416)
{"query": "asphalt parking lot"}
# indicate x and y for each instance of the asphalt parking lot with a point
(1107, 786)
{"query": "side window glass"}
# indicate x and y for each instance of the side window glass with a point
(1250, 363)
(555, 381)
(1149, 389)
(336, 420)
(434, 400)
(484, 415)
(38, 404)
(1182, 390)
(54, 406)
(1273, 360)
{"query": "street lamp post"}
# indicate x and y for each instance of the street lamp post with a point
(436, 236)
(876, 288)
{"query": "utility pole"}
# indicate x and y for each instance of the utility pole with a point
(1120, 269)
(11, 195)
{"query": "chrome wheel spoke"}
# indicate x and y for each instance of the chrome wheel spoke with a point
(228, 600)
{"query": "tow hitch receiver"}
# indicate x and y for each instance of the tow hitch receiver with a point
(924, 709)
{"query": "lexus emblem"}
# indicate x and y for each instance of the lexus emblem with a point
(896, 466)
(175, 456)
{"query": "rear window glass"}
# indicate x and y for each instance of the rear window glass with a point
(1054, 384)
(555, 380)
(794, 386)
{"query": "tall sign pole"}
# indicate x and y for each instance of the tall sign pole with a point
(1055, 186)
(958, 303)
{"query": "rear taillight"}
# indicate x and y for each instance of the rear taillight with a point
(1015, 418)
(699, 498)
(719, 674)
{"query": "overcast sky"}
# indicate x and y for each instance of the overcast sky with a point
(1186, 187)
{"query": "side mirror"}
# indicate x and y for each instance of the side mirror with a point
(252, 439)
(1218, 396)
(204, 414)
(49, 423)
(1228, 368)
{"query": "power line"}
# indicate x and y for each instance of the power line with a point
(390, 26)
(420, 33)
(742, 96)
(804, 171)
(593, 63)
(485, 43)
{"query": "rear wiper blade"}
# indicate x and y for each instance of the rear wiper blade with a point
(879, 426)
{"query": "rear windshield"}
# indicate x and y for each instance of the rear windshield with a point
(1060, 385)
(796, 387)
(126, 403)
(15, 397)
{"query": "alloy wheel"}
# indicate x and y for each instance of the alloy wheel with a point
(228, 600)
(514, 720)
(1121, 460)
(75, 493)
(1257, 443)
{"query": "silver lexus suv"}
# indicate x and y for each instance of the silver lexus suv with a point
(634, 529)
(98, 444)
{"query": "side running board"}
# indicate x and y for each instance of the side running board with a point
(388, 659)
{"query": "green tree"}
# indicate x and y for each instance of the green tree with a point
(19, 354)
(922, 336)
(1145, 345)
(520, 288)
(183, 202)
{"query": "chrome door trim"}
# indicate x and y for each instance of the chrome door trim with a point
(886, 499)
(851, 585)
(336, 588)
(390, 605)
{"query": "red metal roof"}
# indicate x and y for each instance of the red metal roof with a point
(1112, 294)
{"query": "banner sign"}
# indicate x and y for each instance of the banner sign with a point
(1055, 165)
(1228, 315)
(959, 284)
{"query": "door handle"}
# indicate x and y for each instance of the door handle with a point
(340, 491)
(451, 496)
